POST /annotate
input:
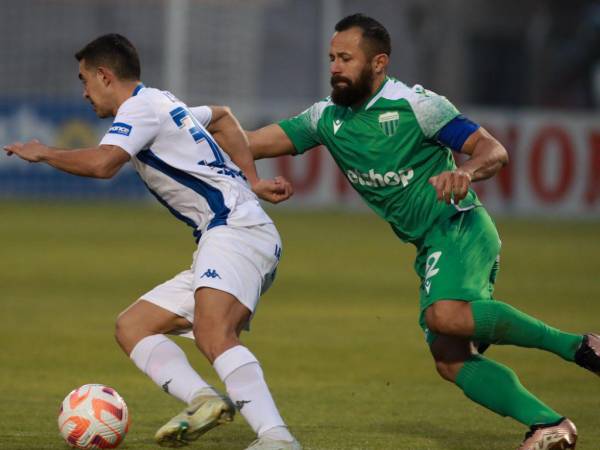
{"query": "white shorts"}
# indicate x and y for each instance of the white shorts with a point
(239, 260)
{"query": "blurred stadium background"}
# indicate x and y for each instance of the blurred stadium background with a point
(337, 334)
(529, 70)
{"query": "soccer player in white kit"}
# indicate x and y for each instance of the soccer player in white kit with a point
(185, 168)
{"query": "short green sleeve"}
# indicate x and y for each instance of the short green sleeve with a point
(303, 128)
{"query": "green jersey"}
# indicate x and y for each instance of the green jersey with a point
(388, 150)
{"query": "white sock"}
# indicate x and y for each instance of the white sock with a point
(246, 386)
(163, 361)
(278, 434)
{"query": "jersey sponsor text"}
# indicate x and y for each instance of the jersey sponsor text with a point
(120, 128)
(372, 178)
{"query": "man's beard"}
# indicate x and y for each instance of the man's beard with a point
(352, 93)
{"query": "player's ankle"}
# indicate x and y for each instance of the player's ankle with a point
(203, 392)
(278, 433)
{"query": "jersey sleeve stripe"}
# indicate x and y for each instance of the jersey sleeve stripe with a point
(213, 196)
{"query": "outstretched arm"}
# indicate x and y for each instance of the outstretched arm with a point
(269, 142)
(103, 161)
(487, 157)
(229, 134)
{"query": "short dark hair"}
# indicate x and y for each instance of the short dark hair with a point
(377, 37)
(115, 52)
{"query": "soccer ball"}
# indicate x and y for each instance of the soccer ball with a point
(93, 416)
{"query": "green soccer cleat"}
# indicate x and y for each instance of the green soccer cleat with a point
(203, 414)
(271, 444)
(557, 436)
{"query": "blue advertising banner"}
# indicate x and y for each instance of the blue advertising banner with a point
(63, 124)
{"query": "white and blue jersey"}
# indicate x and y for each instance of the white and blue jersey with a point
(181, 163)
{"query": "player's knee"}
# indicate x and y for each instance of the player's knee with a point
(446, 317)
(436, 320)
(448, 371)
(120, 327)
(125, 330)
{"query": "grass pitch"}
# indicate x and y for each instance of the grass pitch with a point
(337, 334)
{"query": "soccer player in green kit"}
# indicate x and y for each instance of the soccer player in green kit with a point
(393, 143)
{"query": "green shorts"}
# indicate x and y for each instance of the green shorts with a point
(457, 259)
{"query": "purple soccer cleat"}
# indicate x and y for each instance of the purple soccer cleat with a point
(557, 436)
(588, 353)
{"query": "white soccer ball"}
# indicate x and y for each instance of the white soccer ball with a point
(93, 416)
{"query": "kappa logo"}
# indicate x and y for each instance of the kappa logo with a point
(336, 126)
(210, 273)
(431, 270)
(240, 404)
(165, 386)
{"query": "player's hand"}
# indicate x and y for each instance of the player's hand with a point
(32, 151)
(274, 191)
(451, 186)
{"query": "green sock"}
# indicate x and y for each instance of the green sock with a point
(500, 323)
(498, 388)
